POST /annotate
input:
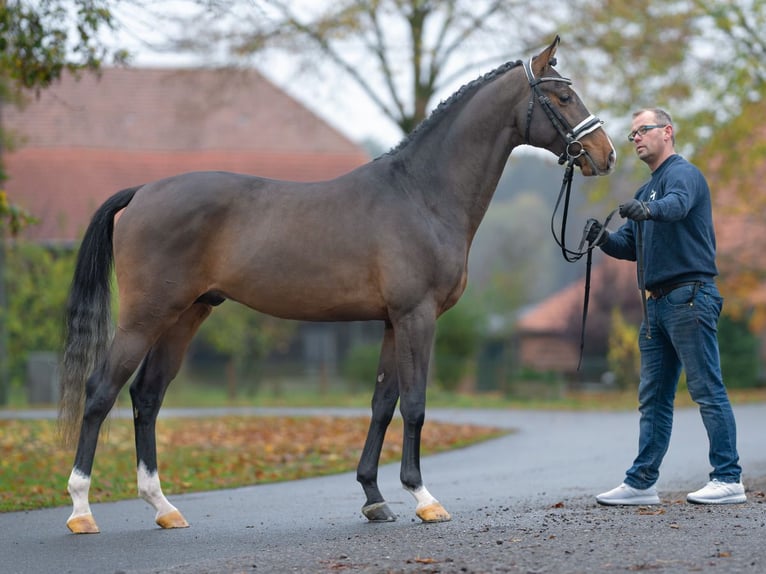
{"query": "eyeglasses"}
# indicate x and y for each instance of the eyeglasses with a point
(642, 131)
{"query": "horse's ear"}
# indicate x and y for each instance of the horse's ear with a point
(545, 58)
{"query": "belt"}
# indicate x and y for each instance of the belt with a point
(662, 290)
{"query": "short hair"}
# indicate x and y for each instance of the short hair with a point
(661, 117)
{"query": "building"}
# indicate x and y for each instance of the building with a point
(82, 140)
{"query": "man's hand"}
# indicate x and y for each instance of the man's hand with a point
(595, 237)
(635, 210)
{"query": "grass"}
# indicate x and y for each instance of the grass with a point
(201, 454)
(227, 452)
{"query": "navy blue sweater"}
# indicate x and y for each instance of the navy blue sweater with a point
(679, 238)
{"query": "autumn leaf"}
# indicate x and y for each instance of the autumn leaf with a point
(202, 454)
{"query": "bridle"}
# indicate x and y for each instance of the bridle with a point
(571, 135)
(574, 150)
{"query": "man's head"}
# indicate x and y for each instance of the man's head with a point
(653, 134)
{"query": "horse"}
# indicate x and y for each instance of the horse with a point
(388, 242)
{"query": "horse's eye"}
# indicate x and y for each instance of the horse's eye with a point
(565, 98)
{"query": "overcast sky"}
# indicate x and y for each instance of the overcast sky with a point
(334, 98)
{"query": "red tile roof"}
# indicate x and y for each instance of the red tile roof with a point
(560, 313)
(82, 141)
(740, 238)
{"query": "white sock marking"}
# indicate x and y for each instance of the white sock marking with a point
(150, 490)
(422, 496)
(78, 487)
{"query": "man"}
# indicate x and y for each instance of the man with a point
(673, 211)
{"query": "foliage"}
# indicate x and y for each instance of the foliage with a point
(202, 454)
(40, 40)
(735, 168)
(502, 273)
(360, 365)
(242, 336)
(739, 353)
(400, 54)
(38, 284)
(623, 356)
(458, 332)
(12, 217)
(703, 60)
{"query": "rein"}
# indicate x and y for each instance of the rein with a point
(574, 150)
(572, 256)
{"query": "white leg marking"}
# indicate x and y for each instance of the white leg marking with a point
(150, 490)
(422, 496)
(78, 487)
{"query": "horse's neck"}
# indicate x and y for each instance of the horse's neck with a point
(460, 160)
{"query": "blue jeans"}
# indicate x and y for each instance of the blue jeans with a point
(684, 327)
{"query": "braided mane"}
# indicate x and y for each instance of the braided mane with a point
(442, 109)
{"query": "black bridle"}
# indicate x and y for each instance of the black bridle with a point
(572, 152)
(570, 135)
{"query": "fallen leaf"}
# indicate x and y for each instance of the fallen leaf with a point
(651, 511)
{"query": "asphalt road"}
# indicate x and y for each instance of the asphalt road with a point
(522, 503)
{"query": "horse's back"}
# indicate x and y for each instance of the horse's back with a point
(286, 248)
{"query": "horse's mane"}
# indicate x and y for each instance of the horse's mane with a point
(445, 105)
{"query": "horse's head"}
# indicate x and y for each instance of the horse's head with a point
(557, 120)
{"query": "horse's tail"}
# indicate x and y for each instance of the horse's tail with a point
(87, 326)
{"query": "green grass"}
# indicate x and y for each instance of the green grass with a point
(189, 391)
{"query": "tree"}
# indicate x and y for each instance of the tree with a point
(242, 336)
(458, 333)
(400, 53)
(705, 61)
(38, 41)
(702, 59)
(38, 285)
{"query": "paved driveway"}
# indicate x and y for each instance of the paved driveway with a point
(521, 503)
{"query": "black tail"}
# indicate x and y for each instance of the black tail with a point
(88, 316)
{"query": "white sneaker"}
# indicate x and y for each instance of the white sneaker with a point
(717, 492)
(629, 496)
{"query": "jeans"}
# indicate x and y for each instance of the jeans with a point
(683, 335)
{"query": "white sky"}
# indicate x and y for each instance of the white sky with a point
(334, 98)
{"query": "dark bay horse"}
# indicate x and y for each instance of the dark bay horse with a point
(388, 241)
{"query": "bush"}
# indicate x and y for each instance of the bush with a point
(458, 334)
(360, 365)
(739, 353)
(623, 357)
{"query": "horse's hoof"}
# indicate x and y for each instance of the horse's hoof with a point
(378, 512)
(433, 513)
(83, 524)
(172, 519)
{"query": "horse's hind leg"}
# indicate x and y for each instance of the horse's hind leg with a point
(102, 388)
(147, 391)
(383, 404)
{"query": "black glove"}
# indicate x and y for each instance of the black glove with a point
(594, 231)
(635, 210)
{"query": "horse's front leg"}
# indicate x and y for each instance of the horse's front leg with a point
(383, 404)
(414, 338)
(147, 391)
